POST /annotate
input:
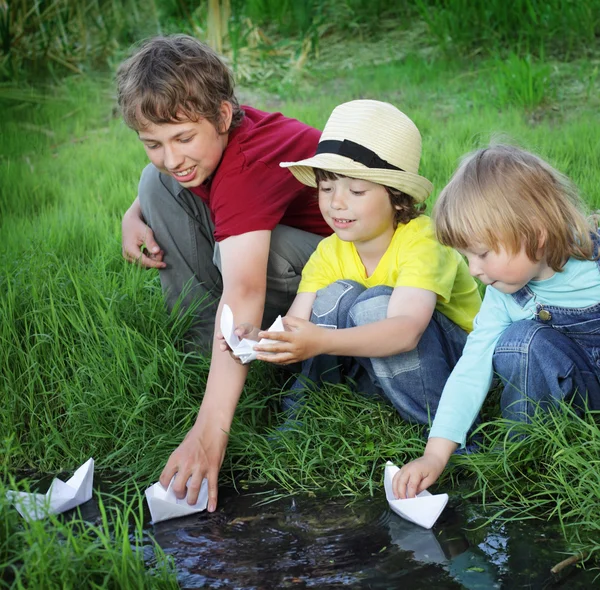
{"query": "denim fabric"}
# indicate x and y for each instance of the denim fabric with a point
(412, 381)
(555, 356)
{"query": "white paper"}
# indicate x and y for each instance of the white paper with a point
(423, 510)
(164, 505)
(244, 348)
(60, 497)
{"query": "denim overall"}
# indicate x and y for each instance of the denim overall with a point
(412, 381)
(553, 357)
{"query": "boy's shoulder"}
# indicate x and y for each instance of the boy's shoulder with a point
(271, 138)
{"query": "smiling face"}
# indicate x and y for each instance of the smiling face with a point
(190, 151)
(358, 211)
(505, 271)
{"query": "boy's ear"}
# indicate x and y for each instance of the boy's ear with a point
(226, 111)
(542, 236)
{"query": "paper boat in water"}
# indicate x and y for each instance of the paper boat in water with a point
(60, 497)
(244, 348)
(164, 505)
(423, 510)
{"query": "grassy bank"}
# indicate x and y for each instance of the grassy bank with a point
(92, 365)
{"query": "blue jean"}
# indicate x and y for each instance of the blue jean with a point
(412, 381)
(541, 366)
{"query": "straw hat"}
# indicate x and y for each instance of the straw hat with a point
(370, 140)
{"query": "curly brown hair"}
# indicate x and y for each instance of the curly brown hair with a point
(172, 79)
(405, 207)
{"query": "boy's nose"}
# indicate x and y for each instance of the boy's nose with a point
(337, 200)
(173, 159)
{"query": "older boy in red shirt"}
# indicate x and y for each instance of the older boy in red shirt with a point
(218, 217)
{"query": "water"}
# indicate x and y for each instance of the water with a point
(303, 542)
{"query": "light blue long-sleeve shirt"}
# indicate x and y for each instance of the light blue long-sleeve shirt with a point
(576, 286)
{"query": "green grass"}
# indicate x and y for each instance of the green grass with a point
(91, 364)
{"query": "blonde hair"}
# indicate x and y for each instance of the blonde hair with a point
(506, 196)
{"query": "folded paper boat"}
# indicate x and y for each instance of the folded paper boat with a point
(244, 348)
(164, 505)
(60, 497)
(423, 510)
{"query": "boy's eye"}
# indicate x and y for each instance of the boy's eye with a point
(358, 193)
(324, 189)
(482, 256)
(151, 146)
(185, 139)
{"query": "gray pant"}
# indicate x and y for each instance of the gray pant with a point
(183, 228)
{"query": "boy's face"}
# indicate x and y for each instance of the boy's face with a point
(358, 211)
(189, 151)
(505, 271)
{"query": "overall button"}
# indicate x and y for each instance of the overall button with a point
(544, 315)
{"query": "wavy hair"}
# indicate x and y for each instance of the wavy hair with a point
(505, 196)
(173, 79)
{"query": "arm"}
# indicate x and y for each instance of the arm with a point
(408, 315)
(244, 269)
(462, 398)
(138, 243)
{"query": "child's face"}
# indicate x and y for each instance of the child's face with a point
(505, 271)
(189, 151)
(357, 211)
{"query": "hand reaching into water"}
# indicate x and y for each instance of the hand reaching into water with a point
(418, 475)
(199, 456)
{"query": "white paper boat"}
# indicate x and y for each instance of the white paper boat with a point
(60, 497)
(244, 348)
(164, 505)
(423, 510)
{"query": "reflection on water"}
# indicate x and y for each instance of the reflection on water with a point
(303, 542)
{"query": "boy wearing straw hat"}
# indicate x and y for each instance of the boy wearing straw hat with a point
(381, 303)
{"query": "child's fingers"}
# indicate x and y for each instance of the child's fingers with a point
(279, 336)
(278, 359)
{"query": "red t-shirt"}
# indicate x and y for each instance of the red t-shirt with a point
(249, 191)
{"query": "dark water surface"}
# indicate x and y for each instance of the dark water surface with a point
(302, 542)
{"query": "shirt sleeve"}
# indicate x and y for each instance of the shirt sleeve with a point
(426, 264)
(469, 382)
(252, 198)
(317, 272)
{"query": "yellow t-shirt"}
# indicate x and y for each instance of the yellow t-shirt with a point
(414, 258)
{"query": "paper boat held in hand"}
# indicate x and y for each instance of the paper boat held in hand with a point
(164, 505)
(244, 348)
(60, 497)
(423, 510)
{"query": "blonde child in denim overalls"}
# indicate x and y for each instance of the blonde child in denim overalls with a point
(521, 225)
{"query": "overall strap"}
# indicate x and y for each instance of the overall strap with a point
(522, 296)
(596, 239)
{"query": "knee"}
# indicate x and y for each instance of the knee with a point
(153, 186)
(520, 338)
(336, 298)
(371, 306)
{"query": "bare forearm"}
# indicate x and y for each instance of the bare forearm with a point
(378, 339)
(226, 377)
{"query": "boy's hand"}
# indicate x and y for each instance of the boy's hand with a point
(199, 456)
(300, 341)
(242, 331)
(138, 243)
(417, 476)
